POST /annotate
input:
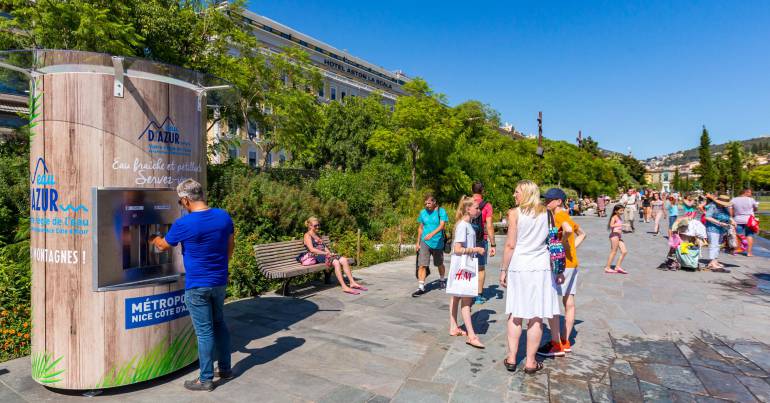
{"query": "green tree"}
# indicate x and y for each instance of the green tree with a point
(347, 127)
(420, 131)
(591, 146)
(635, 168)
(735, 156)
(760, 177)
(722, 174)
(708, 177)
(676, 183)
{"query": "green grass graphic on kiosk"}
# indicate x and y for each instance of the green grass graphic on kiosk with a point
(44, 368)
(165, 357)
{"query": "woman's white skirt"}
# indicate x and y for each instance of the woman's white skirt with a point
(532, 294)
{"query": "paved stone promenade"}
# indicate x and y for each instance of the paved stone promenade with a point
(648, 336)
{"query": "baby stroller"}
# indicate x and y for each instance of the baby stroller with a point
(693, 235)
(684, 245)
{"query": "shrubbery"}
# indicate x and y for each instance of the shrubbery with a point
(14, 249)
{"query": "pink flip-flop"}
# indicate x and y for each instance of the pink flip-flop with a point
(621, 271)
(360, 287)
(354, 292)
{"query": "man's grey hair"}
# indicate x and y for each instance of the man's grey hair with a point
(191, 189)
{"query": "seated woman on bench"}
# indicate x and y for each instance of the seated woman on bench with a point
(323, 254)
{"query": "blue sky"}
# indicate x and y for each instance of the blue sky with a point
(642, 74)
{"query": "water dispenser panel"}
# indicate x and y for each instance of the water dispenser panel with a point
(126, 219)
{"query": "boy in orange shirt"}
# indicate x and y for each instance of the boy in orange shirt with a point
(571, 236)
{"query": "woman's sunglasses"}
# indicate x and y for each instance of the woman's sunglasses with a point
(316, 225)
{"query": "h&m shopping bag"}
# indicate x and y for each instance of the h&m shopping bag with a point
(463, 276)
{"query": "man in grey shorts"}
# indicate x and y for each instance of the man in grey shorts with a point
(430, 242)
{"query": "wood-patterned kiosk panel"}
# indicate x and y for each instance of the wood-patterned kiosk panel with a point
(87, 138)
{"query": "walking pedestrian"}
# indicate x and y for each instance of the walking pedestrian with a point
(430, 243)
(571, 204)
(629, 201)
(656, 205)
(601, 204)
(323, 254)
(744, 208)
(615, 226)
(526, 274)
(672, 210)
(647, 207)
(206, 235)
(718, 223)
(464, 244)
(485, 235)
(571, 236)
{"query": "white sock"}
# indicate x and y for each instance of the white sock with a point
(421, 285)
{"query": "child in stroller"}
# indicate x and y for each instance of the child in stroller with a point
(684, 245)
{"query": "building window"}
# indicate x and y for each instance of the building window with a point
(333, 93)
(321, 91)
(253, 131)
(281, 158)
(233, 152)
(252, 158)
(269, 159)
(342, 95)
(286, 36)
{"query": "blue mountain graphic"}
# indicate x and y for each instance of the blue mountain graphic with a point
(37, 165)
(153, 124)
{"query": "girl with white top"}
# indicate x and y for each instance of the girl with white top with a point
(526, 273)
(464, 243)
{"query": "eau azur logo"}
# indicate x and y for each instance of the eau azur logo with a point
(165, 133)
(43, 194)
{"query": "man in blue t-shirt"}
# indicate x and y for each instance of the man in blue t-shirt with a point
(207, 241)
(430, 242)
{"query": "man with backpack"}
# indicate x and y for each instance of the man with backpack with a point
(485, 235)
(430, 242)
(571, 236)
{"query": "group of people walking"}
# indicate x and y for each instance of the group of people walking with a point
(534, 292)
(539, 268)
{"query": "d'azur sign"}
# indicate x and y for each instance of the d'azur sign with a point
(163, 133)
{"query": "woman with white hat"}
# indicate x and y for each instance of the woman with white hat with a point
(718, 222)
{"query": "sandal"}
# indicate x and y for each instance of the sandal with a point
(510, 367)
(532, 371)
(610, 271)
(354, 292)
(475, 342)
(620, 270)
(458, 332)
(359, 287)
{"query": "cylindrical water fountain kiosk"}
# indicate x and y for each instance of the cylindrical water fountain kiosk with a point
(111, 138)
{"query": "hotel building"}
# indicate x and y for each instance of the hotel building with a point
(344, 75)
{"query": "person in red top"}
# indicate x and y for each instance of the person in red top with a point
(485, 235)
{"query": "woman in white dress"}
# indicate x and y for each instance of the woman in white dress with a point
(526, 273)
(464, 243)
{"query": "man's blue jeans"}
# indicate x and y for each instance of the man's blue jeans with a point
(206, 307)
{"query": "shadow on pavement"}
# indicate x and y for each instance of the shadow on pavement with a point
(248, 320)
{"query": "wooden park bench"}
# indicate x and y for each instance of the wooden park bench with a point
(278, 260)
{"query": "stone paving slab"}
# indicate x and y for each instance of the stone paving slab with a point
(652, 336)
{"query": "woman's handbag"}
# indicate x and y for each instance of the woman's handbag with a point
(753, 224)
(555, 247)
(306, 259)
